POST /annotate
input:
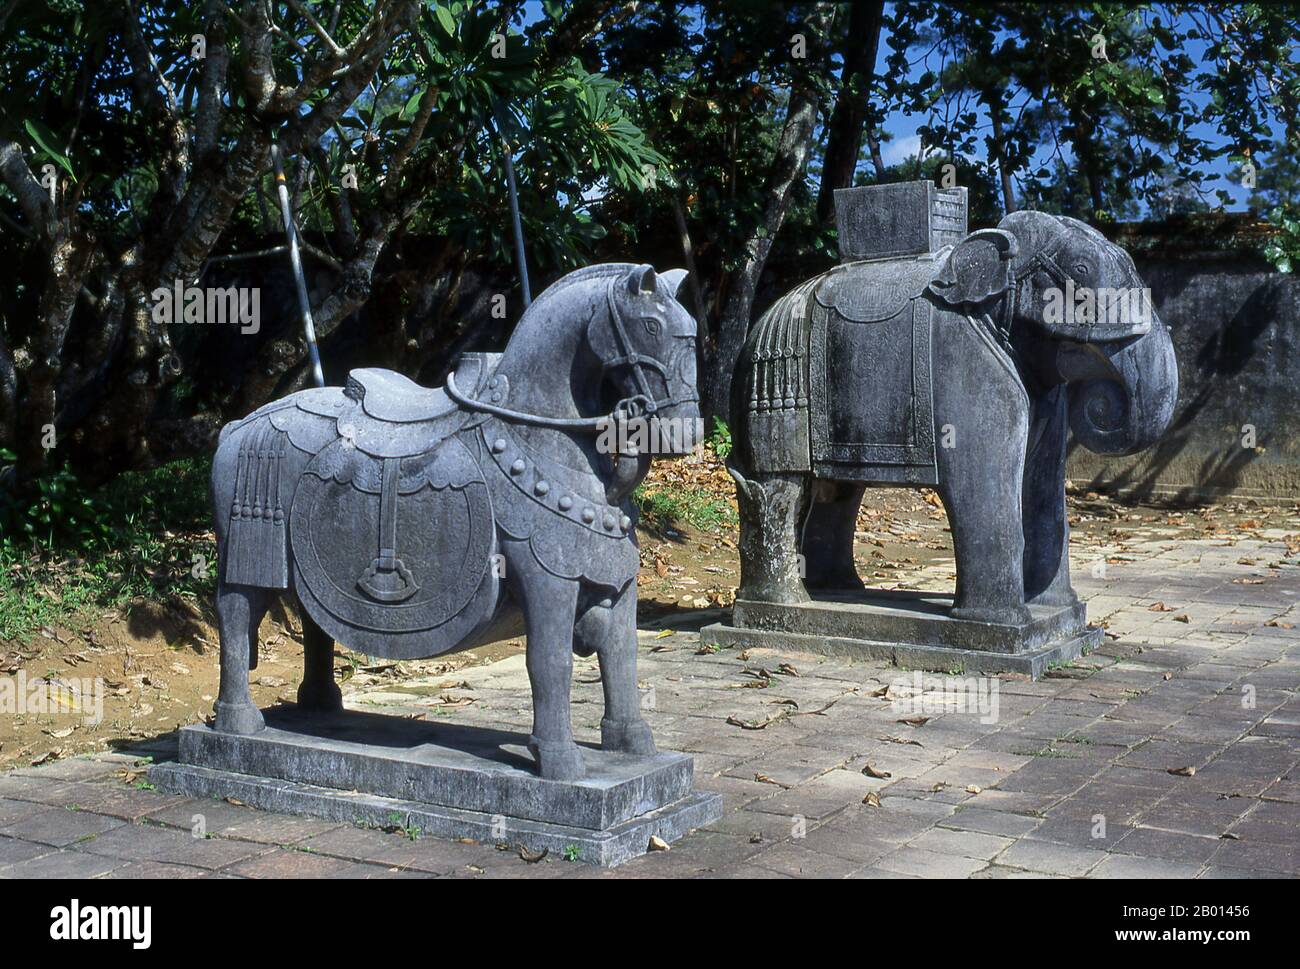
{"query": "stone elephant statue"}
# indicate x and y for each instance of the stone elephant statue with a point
(964, 370)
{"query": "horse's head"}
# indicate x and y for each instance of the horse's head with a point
(646, 346)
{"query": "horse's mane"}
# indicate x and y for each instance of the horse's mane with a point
(541, 306)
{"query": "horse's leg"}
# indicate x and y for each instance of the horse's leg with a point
(318, 690)
(610, 629)
(549, 605)
(240, 609)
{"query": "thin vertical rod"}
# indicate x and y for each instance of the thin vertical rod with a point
(304, 301)
(518, 225)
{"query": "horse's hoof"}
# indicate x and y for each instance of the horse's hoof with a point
(323, 697)
(238, 718)
(558, 762)
(627, 736)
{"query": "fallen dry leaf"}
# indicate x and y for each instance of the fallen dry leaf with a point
(657, 844)
(532, 857)
(1182, 771)
(872, 772)
(872, 800)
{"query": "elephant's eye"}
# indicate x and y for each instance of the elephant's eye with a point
(1081, 269)
(652, 325)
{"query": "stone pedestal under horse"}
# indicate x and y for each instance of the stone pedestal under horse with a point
(411, 522)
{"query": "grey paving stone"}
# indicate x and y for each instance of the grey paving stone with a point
(1261, 856)
(236, 821)
(153, 869)
(1170, 754)
(1051, 858)
(60, 827)
(288, 863)
(11, 811)
(802, 862)
(13, 851)
(1219, 872)
(62, 864)
(987, 821)
(148, 842)
(1098, 831)
(1168, 845)
(968, 844)
(396, 850)
(929, 864)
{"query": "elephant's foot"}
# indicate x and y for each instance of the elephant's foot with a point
(558, 761)
(323, 695)
(998, 615)
(238, 718)
(1055, 597)
(628, 736)
(774, 590)
(838, 582)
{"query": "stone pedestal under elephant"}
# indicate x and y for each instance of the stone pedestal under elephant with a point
(964, 370)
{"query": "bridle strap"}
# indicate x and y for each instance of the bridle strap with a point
(637, 405)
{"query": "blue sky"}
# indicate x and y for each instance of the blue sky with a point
(904, 141)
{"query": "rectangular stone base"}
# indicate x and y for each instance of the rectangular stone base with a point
(909, 629)
(448, 780)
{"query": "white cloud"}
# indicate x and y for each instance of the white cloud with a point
(893, 152)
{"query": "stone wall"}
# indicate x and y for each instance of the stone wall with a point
(1236, 328)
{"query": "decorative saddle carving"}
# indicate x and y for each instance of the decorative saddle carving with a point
(387, 415)
(389, 396)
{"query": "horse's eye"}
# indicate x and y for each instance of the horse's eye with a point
(652, 325)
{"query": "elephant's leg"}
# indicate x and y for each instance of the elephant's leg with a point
(772, 510)
(1045, 522)
(240, 609)
(549, 605)
(989, 547)
(318, 691)
(610, 627)
(828, 536)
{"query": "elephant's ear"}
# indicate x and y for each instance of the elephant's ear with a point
(977, 269)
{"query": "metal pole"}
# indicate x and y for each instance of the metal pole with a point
(304, 301)
(518, 225)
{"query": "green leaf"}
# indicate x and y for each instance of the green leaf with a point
(445, 18)
(43, 137)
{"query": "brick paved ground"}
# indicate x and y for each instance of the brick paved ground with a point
(1172, 752)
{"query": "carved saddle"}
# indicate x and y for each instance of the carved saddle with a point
(391, 529)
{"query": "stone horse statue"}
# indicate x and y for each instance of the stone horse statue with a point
(411, 522)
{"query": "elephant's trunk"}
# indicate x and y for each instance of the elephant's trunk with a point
(1128, 409)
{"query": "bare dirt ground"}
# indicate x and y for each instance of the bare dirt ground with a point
(159, 660)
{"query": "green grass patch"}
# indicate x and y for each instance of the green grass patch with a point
(146, 533)
(663, 509)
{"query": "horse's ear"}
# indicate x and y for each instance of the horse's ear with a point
(641, 281)
(673, 280)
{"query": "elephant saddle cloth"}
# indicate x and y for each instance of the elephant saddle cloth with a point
(871, 396)
(840, 374)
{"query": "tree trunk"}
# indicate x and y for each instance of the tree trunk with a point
(788, 164)
(1004, 174)
(844, 139)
